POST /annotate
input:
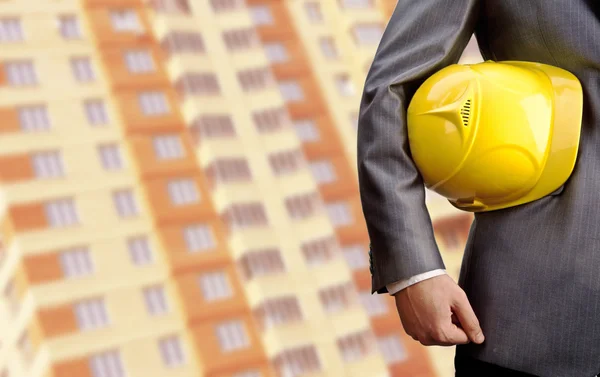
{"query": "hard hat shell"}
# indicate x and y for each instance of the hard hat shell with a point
(494, 135)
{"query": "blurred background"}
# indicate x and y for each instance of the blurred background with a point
(179, 197)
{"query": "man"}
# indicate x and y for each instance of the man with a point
(528, 298)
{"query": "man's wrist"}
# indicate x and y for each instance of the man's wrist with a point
(397, 286)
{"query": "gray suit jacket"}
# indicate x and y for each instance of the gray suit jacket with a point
(532, 272)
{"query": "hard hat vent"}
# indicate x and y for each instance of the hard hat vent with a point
(465, 112)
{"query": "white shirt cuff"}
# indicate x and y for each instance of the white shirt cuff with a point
(397, 286)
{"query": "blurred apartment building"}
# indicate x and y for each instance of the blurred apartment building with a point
(179, 196)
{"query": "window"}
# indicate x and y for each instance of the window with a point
(255, 79)
(61, 213)
(291, 91)
(171, 6)
(110, 157)
(337, 297)
(270, 120)
(339, 214)
(226, 5)
(215, 286)
(261, 15)
(344, 85)
(244, 215)
(354, 120)
(375, 305)
(286, 162)
(306, 130)
(168, 147)
(328, 48)
(11, 297)
(76, 262)
(125, 204)
(323, 171)
(140, 251)
(171, 351)
(368, 34)
(226, 170)
(298, 361)
(277, 311)
(96, 113)
(153, 103)
(240, 39)
(183, 191)
(303, 205)
(319, 251)
(213, 126)
(257, 263)
(10, 30)
(180, 42)
(2, 253)
(392, 349)
(356, 4)
(82, 69)
(107, 364)
(250, 373)
(205, 84)
(356, 346)
(313, 12)
(156, 300)
(91, 314)
(276, 52)
(25, 347)
(139, 61)
(34, 118)
(356, 256)
(125, 21)
(48, 164)
(21, 73)
(232, 336)
(69, 27)
(198, 237)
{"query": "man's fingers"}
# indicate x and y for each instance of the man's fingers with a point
(449, 334)
(468, 320)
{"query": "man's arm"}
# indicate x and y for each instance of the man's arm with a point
(421, 38)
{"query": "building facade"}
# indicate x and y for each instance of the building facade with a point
(179, 195)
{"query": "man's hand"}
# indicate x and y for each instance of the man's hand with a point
(436, 312)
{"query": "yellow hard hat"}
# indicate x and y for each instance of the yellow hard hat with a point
(495, 135)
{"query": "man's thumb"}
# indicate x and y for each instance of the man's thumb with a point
(468, 320)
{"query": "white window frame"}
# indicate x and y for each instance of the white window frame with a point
(77, 262)
(261, 15)
(48, 164)
(21, 73)
(183, 191)
(215, 286)
(125, 20)
(62, 213)
(156, 300)
(153, 103)
(168, 147)
(139, 61)
(69, 26)
(171, 351)
(140, 250)
(232, 335)
(199, 238)
(91, 314)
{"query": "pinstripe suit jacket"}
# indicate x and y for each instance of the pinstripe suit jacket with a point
(531, 272)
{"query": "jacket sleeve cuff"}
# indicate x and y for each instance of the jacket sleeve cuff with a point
(397, 286)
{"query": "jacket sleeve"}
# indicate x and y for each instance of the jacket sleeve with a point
(421, 37)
